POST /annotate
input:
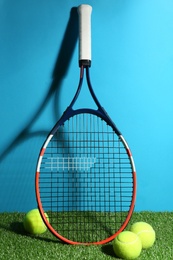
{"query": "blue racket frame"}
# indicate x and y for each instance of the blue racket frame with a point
(70, 112)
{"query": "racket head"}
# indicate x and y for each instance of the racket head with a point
(85, 179)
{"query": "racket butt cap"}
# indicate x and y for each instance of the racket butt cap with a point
(85, 63)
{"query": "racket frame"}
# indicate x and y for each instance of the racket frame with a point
(84, 64)
(68, 113)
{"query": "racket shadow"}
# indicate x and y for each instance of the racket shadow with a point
(60, 70)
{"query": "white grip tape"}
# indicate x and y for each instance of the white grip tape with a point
(84, 12)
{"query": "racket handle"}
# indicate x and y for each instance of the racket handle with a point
(84, 12)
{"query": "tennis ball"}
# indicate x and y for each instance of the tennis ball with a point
(145, 232)
(127, 245)
(33, 222)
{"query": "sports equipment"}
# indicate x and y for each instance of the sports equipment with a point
(145, 232)
(127, 245)
(85, 177)
(33, 222)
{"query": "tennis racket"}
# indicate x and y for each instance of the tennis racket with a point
(85, 178)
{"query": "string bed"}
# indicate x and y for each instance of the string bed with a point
(85, 180)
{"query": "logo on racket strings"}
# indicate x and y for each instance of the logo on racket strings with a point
(70, 163)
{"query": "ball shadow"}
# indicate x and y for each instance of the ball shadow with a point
(108, 250)
(18, 228)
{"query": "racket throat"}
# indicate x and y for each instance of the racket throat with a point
(105, 116)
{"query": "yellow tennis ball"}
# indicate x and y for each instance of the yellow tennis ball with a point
(33, 222)
(127, 245)
(145, 232)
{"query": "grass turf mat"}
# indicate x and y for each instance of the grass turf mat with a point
(86, 226)
(15, 243)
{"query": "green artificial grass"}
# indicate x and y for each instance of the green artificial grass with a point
(15, 243)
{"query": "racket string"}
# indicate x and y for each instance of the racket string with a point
(86, 182)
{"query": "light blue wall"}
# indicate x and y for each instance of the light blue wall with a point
(132, 74)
